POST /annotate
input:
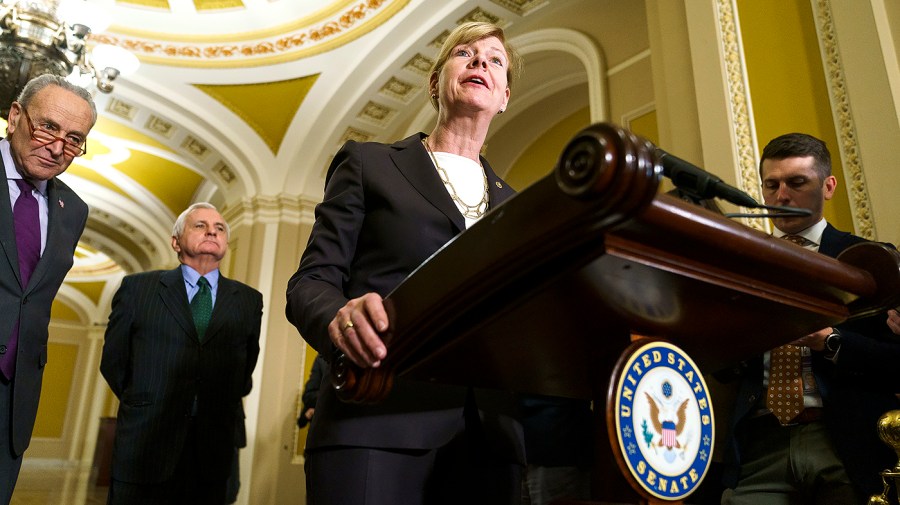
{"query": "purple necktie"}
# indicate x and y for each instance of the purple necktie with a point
(28, 244)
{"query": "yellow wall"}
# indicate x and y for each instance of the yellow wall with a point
(787, 82)
(300, 445)
(58, 376)
(540, 158)
(646, 126)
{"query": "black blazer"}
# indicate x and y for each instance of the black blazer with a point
(385, 211)
(855, 391)
(317, 374)
(67, 215)
(156, 366)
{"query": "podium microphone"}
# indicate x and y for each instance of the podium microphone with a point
(699, 183)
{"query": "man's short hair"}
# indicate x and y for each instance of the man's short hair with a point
(178, 229)
(42, 81)
(798, 145)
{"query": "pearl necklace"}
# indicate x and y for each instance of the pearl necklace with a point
(469, 211)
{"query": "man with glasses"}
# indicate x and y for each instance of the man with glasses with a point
(40, 226)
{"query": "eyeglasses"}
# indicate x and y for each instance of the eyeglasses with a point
(46, 138)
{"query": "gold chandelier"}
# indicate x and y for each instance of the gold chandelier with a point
(35, 40)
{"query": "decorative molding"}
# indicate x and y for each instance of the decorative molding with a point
(399, 90)
(338, 29)
(160, 126)
(438, 41)
(195, 148)
(376, 114)
(224, 172)
(633, 114)
(355, 135)
(582, 47)
(845, 126)
(127, 254)
(281, 209)
(521, 7)
(122, 109)
(740, 104)
(419, 65)
(480, 15)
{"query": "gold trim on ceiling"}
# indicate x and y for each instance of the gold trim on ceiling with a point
(204, 5)
(293, 25)
(340, 29)
(153, 4)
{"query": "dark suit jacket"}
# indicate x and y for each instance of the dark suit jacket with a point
(855, 391)
(385, 211)
(317, 374)
(156, 366)
(67, 215)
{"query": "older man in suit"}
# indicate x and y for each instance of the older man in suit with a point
(40, 225)
(821, 445)
(180, 349)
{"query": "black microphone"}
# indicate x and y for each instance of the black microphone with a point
(699, 183)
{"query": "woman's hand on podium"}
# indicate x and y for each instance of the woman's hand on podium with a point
(356, 327)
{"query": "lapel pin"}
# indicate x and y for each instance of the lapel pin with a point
(499, 185)
(61, 204)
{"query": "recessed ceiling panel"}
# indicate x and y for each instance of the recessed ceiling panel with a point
(269, 107)
(172, 183)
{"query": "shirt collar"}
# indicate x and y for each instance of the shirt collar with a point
(191, 276)
(813, 233)
(10, 166)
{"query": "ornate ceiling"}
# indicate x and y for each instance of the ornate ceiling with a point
(240, 98)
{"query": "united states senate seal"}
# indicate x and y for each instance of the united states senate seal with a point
(664, 425)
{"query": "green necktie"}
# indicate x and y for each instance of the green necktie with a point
(201, 307)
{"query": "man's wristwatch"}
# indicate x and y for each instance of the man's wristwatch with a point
(833, 341)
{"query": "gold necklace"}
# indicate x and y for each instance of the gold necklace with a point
(470, 211)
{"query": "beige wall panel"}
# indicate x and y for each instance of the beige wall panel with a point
(630, 89)
(673, 79)
(63, 378)
(273, 474)
(874, 113)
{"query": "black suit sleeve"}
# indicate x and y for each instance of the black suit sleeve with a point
(870, 352)
(317, 290)
(253, 340)
(311, 389)
(114, 363)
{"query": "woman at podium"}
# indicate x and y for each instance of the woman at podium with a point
(386, 209)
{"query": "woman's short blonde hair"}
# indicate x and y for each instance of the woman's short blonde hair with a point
(467, 33)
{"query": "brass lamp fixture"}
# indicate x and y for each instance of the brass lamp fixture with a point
(35, 40)
(889, 432)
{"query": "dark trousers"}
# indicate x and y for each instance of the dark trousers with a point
(790, 465)
(189, 485)
(460, 472)
(9, 463)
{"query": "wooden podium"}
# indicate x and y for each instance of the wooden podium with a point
(543, 294)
